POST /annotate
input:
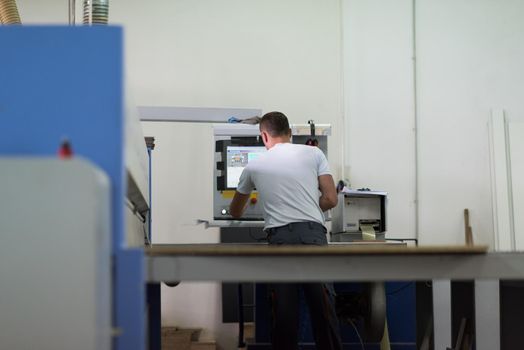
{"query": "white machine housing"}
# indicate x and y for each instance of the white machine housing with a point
(55, 255)
(356, 208)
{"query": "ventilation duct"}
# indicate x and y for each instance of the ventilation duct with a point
(96, 11)
(9, 12)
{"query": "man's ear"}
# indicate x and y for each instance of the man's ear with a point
(265, 137)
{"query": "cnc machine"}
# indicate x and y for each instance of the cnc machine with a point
(238, 144)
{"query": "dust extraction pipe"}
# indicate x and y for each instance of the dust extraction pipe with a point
(72, 12)
(96, 11)
(9, 12)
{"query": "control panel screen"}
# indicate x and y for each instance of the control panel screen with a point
(237, 159)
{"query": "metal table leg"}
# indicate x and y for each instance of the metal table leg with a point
(487, 314)
(442, 313)
(155, 331)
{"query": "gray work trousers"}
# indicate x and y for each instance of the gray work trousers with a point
(319, 296)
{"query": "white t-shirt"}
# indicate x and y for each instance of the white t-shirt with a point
(286, 178)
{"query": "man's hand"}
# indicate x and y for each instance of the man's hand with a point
(238, 204)
(329, 198)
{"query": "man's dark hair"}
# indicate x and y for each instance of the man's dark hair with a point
(275, 124)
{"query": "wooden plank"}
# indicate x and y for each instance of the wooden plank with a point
(468, 232)
(338, 249)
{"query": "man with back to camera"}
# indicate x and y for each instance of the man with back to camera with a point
(288, 178)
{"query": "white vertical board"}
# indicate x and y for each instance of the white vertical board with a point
(500, 186)
(464, 69)
(516, 147)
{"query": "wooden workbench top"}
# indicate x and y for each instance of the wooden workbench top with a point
(262, 249)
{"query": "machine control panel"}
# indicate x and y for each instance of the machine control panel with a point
(236, 145)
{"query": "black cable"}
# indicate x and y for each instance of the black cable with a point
(241, 343)
(358, 334)
(147, 241)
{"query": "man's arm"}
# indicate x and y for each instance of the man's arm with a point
(238, 204)
(329, 198)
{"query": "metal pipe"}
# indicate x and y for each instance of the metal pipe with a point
(415, 119)
(72, 12)
(9, 12)
(343, 115)
(96, 12)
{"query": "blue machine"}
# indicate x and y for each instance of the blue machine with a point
(67, 82)
(401, 319)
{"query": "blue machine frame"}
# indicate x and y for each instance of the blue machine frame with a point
(67, 82)
(401, 316)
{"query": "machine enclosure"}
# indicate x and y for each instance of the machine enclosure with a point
(355, 208)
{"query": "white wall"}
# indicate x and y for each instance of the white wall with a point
(379, 105)
(469, 60)
(469, 56)
(272, 55)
